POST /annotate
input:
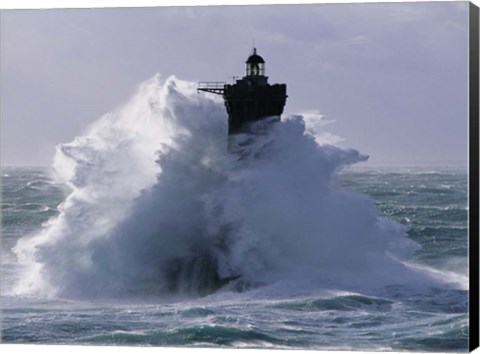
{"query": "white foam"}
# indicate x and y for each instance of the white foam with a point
(154, 181)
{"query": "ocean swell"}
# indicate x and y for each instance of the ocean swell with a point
(162, 201)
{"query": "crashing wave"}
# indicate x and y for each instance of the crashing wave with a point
(162, 201)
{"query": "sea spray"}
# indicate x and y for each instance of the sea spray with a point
(162, 201)
(106, 169)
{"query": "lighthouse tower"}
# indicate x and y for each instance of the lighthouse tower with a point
(250, 98)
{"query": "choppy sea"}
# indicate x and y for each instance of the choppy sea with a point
(430, 202)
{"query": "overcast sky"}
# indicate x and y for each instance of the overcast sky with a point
(392, 76)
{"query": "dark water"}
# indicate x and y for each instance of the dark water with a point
(431, 202)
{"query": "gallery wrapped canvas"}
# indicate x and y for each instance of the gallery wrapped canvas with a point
(273, 176)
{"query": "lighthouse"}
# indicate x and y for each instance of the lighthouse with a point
(250, 98)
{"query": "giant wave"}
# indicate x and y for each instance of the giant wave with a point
(163, 202)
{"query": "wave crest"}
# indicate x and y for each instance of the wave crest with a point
(161, 201)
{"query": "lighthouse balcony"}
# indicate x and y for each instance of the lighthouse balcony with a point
(216, 87)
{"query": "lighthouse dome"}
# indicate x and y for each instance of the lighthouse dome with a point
(255, 65)
(255, 58)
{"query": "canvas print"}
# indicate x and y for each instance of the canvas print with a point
(281, 176)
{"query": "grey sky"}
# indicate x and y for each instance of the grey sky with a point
(393, 76)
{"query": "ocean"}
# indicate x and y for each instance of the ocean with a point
(136, 237)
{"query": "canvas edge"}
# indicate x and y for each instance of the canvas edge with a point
(473, 176)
